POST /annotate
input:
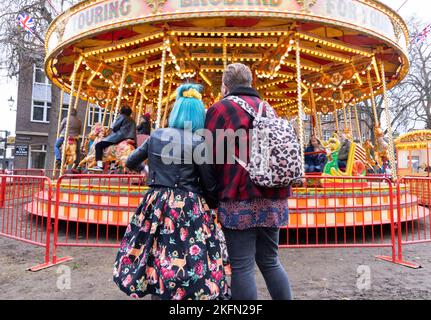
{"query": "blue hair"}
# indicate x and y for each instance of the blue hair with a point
(187, 110)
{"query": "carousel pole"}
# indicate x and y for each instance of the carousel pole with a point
(358, 124)
(69, 113)
(373, 99)
(105, 113)
(224, 52)
(314, 115)
(389, 124)
(84, 130)
(344, 110)
(162, 80)
(135, 99)
(337, 125)
(93, 118)
(121, 89)
(59, 127)
(301, 114)
(165, 115)
(141, 100)
(87, 115)
(350, 110)
(111, 113)
(319, 125)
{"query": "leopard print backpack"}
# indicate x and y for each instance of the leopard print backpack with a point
(275, 153)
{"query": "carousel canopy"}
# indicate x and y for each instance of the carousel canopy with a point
(415, 140)
(124, 48)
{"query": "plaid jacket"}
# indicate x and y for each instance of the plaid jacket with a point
(234, 181)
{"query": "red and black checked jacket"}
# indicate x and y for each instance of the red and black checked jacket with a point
(234, 181)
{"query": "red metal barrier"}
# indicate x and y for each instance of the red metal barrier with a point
(415, 228)
(17, 199)
(94, 210)
(333, 212)
(28, 172)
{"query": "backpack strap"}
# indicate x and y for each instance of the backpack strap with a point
(250, 110)
(244, 105)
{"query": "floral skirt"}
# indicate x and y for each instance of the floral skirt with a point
(174, 249)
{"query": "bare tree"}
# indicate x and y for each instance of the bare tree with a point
(19, 50)
(413, 95)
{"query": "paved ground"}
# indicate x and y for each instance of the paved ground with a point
(314, 273)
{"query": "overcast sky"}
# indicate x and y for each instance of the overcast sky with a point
(8, 87)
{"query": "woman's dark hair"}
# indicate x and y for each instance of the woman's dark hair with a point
(127, 111)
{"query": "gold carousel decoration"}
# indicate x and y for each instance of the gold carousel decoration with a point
(307, 56)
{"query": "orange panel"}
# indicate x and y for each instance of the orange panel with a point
(64, 211)
(322, 202)
(135, 201)
(359, 201)
(115, 217)
(375, 200)
(342, 202)
(82, 214)
(99, 215)
(302, 202)
(377, 216)
(340, 218)
(114, 200)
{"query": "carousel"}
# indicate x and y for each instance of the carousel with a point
(308, 57)
(414, 163)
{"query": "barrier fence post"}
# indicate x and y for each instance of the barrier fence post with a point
(55, 260)
(397, 227)
(3, 191)
(48, 230)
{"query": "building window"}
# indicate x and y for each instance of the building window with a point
(364, 137)
(39, 75)
(98, 116)
(37, 158)
(40, 111)
(327, 118)
(326, 135)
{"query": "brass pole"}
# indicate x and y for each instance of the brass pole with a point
(121, 89)
(66, 135)
(60, 119)
(162, 80)
(141, 100)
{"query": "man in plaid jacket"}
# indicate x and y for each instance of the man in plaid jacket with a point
(251, 216)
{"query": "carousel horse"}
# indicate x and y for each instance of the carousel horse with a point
(355, 163)
(97, 133)
(382, 145)
(334, 146)
(370, 159)
(71, 151)
(116, 153)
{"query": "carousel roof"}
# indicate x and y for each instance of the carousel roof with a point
(343, 45)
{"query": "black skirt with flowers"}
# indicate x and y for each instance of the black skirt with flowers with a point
(173, 249)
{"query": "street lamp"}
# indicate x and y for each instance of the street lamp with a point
(11, 102)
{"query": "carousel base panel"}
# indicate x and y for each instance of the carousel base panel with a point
(309, 208)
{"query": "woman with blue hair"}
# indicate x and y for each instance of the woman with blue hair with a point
(173, 249)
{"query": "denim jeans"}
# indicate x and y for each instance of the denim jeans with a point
(258, 245)
(57, 148)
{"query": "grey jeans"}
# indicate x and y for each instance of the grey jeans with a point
(258, 245)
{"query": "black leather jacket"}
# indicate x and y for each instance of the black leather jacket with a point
(171, 164)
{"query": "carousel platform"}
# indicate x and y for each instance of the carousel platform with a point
(115, 204)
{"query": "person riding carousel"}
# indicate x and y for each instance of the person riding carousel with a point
(315, 156)
(75, 128)
(124, 128)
